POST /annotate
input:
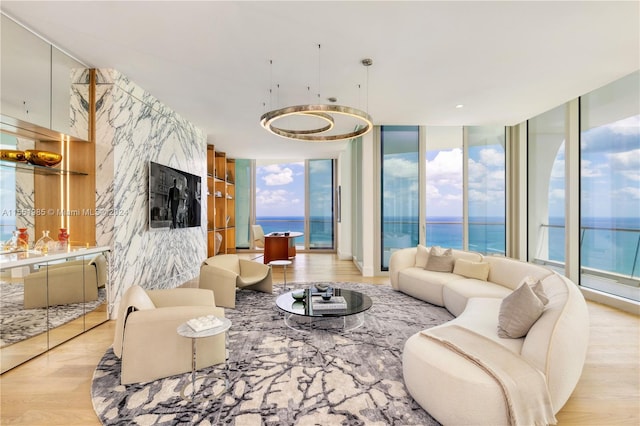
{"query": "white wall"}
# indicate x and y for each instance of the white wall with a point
(133, 128)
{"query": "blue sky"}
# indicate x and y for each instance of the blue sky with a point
(280, 189)
(610, 171)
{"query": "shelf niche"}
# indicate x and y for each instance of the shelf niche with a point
(220, 203)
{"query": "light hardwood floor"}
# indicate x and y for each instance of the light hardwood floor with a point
(54, 389)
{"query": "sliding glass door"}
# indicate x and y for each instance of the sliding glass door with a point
(546, 188)
(321, 204)
(444, 187)
(400, 189)
(486, 189)
(610, 188)
(297, 196)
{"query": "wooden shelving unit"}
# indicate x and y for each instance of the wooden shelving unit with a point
(221, 213)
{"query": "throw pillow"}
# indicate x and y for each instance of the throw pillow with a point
(470, 269)
(518, 312)
(421, 256)
(440, 262)
(536, 286)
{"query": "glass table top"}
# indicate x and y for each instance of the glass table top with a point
(356, 302)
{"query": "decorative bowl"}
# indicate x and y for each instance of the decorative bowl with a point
(42, 158)
(12, 155)
(321, 286)
(326, 296)
(299, 305)
(298, 295)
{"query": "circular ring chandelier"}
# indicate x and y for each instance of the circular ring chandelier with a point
(320, 111)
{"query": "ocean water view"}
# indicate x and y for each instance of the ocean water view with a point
(607, 244)
(321, 233)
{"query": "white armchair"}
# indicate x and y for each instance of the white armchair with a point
(146, 339)
(258, 236)
(225, 272)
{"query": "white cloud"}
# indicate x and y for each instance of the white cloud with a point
(478, 196)
(275, 197)
(400, 168)
(278, 176)
(556, 194)
(589, 170)
(557, 172)
(631, 174)
(492, 157)
(446, 164)
(625, 160)
(629, 191)
(627, 126)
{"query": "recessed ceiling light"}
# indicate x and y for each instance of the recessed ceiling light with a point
(459, 106)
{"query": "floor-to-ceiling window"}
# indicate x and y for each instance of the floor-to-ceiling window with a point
(546, 187)
(321, 204)
(486, 195)
(443, 195)
(400, 189)
(610, 188)
(280, 197)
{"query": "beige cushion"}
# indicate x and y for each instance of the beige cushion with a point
(440, 261)
(469, 269)
(422, 255)
(518, 312)
(537, 288)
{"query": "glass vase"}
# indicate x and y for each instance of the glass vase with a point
(63, 239)
(45, 243)
(11, 244)
(23, 236)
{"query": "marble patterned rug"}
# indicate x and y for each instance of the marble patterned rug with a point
(17, 323)
(279, 376)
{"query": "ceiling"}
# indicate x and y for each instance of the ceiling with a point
(505, 61)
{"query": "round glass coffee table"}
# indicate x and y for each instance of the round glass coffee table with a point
(344, 310)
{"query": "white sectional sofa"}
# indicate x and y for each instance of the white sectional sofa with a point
(456, 388)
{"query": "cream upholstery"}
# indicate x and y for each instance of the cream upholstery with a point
(555, 345)
(257, 236)
(225, 272)
(75, 281)
(146, 339)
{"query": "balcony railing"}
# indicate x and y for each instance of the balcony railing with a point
(607, 251)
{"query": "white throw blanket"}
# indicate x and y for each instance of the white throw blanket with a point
(524, 387)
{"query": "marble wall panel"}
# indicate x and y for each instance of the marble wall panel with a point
(133, 128)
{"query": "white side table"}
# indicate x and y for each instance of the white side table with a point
(284, 264)
(185, 331)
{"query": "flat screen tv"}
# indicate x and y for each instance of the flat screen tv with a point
(174, 197)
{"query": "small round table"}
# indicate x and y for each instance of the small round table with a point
(185, 331)
(284, 264)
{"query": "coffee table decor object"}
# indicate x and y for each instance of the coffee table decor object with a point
(298, 295)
